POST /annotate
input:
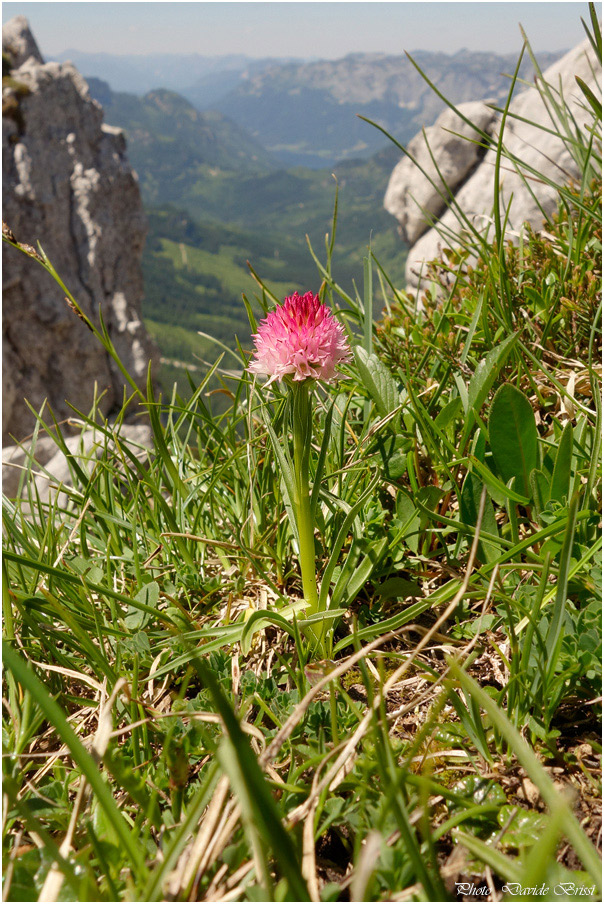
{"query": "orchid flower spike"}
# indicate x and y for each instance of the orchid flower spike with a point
(300, 339)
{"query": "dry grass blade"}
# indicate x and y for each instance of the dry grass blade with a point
(309, 862)
(194, 855)
(70, 673)
(365, 867)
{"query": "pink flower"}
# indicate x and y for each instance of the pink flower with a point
(302, 339)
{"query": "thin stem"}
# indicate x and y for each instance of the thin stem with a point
(302, 429)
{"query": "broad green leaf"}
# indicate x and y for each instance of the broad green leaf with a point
(522, 828)
(451, 410)
(486, 373)
(560, 486)
(148, 595)
(407, 523)
(378, 381)
(513, 435)
(393, 450)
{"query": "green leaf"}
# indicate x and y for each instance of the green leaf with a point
(398, 588)
(513, 435)
(340, 540)
(320, 618)
(409, 614)
(522, 828)
(350, 582)
(555, 632)
(469, 716)
(469, 506)
(451, 410)
(591, 98)
(393, 450)
(287, 476)
(463, 391)
(262, 619)
(508, 869)
(498, 491)
(560, 486)
(540, 490)
(406, 524)
(161, 446)
(486, 373)
(378, 381)
(148, 595)
(321, 461)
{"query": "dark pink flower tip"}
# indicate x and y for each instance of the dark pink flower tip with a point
(301, 339)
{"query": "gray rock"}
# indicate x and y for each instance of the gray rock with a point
(67, 184)
(543, 152)
(439, 160)
(51, 468)
(18, 42)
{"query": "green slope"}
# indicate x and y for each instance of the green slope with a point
(171, 145)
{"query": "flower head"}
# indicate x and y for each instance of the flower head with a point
(302, 339)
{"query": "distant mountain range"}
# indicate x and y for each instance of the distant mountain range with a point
(304, 113)
(140, 73)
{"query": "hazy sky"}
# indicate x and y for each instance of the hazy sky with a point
(319, 29)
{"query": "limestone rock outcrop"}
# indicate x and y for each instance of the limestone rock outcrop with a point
(438, 162)
(67, 184)
(473, 183)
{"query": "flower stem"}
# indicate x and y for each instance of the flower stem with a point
(302, 429)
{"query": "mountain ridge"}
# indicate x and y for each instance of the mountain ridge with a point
(314, 108)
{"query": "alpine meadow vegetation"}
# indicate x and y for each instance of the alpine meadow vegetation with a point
(332, 639)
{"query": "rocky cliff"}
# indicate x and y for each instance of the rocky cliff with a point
(67, 184)
(424, 207)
